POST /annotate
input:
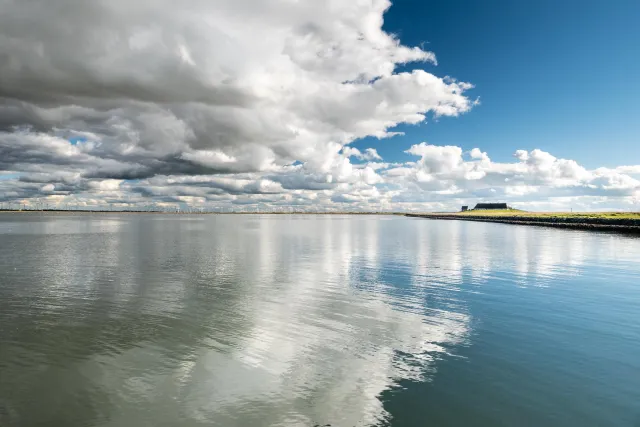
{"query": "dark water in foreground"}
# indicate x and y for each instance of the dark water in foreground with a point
(161, 320)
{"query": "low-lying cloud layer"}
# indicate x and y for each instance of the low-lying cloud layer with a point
(242, 104)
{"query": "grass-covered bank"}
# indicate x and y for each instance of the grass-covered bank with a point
(581, 215)
(597, 221)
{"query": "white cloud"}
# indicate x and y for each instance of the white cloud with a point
(251, 84)
(105, 185)
(369, 153)
(239, 102)
(632, 170)
(477, 154)
(536, 175)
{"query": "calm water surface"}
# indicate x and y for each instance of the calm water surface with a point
(249, 320)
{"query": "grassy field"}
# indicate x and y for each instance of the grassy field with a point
(518, 213)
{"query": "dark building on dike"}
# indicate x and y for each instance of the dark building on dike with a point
(487, 206)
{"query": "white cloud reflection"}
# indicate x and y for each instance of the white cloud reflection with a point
(271, 320)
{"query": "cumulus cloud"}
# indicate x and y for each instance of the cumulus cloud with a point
(535, 176)
(477, 154)
(236, 103)
(111, 90)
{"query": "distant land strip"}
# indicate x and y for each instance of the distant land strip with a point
(192, 212)
(629, 223)
(621, 222)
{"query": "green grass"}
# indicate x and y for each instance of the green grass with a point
(519, 213)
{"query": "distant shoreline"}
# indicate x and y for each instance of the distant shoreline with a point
(65, 211)
(627, 223)
(621, 222)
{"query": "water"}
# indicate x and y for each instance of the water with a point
(248, 320)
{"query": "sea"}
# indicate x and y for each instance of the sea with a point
(314, 320)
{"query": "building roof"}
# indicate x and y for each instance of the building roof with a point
(492, 206)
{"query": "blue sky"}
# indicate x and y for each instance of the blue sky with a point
(556, 75)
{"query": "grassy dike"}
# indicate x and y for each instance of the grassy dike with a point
(626, 222)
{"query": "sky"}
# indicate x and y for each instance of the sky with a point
(277, 105)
